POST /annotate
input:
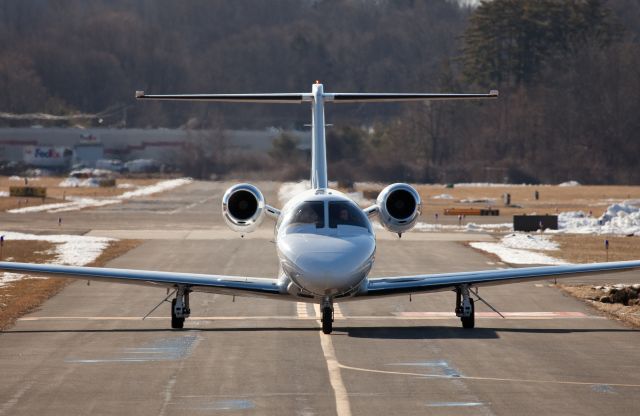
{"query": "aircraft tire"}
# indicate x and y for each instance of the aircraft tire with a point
(469, 322)
(327, 320)
(176, 323)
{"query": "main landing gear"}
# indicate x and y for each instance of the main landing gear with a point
(327, 316)
(464, 307)
(180, 307)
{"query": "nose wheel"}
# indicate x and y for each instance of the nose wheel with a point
(327, 316)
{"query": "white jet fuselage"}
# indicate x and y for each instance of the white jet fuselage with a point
(325, 243)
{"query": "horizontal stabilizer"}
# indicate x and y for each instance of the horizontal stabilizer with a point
(296, 98)
(280, 98)
(391, 97)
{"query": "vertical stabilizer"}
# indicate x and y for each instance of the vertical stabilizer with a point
(318, 140)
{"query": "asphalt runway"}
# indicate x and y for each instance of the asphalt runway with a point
(87, 351)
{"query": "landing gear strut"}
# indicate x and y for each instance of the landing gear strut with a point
(464, 307)
(180, 307)
(327, 316)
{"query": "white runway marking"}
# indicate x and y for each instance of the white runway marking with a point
(194, 204)
(340, 391)
(508, 315)
(9, 404)
(396, 316)
(337, 312)
(301, 309)
(508, 380)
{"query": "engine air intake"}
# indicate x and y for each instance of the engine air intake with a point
(243, 207)
(399, 207)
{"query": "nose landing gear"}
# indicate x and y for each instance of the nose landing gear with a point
(180, 308)
(327, 316)
(465, 309)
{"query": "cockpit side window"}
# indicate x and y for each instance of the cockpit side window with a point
(308, 213)
(344, 213)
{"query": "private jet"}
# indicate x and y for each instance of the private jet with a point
(325, 242)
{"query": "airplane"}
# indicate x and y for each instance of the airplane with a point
(325, 242)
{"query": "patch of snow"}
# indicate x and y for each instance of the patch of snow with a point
(470, 227)
(516, 256)
(530, 242)
(426, 227)
(126, 186)
(158, 187)
(484, 200)
(88, 172)
(442, 196)
(80, 203)
(7, 277)
(620, 219)
(290, 189)
(20, 178)
(79, 183)
(488, 227)
(72, 250)
(517, 248)
(488, 185)
(359, 199)
(569, 183)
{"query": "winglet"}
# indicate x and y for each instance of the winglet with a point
(494, 93)
(139, 94)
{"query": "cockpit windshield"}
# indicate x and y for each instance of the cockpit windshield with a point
(310, 213)
(344, 213)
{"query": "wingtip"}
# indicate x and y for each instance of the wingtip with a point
(494, 93)
(139, 94)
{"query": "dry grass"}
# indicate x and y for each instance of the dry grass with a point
(626, 314)
(26, 295)
(553, 199)
(591, 248)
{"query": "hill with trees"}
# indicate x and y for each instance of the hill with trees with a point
(568, 72)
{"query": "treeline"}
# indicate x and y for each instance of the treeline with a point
(568, 73)
(77, 56)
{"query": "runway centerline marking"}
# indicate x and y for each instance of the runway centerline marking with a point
(333, 366)
(339, 390)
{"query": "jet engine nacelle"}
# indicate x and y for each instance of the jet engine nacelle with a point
(399, 207)
(243, 207)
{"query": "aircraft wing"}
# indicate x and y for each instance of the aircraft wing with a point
(449, 281)
(228, 285)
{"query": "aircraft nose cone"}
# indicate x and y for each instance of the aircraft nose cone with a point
(327, 265)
